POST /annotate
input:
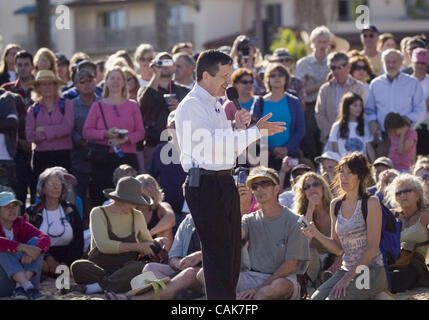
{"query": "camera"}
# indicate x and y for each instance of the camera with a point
(302, 222)
(243, 47)
(291, 162)
(121, 132)
(163, 63)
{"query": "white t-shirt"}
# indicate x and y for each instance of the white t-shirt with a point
(286, 198)
(8, 234)
(353, 143)
(60, 230)
(425, 86)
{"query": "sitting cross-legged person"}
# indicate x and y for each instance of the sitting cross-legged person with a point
(22, 248)
(118, 236)
(184, 266)
(277, 250)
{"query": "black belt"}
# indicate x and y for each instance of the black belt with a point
(205, 172)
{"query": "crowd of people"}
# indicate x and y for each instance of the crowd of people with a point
(91, 178)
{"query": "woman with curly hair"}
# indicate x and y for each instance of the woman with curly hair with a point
(312, 199)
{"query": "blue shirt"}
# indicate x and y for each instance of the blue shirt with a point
(248, 105)
(403, 95)
(281, 112)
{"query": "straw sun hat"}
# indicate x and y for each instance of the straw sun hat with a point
(45, 76)
(143, 282)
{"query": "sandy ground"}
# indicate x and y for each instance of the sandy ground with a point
(47, 287)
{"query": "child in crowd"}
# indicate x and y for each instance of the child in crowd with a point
(403, 141)
(349, 133)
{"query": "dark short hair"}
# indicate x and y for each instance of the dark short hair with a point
(394, 121)
(209, 61)
(24, 55)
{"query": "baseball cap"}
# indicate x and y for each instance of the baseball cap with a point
(383, 160)
(8, 197)
(262, 172)
(163, 54)
(83, 72)
(370, 28)
(300, 167)
(420, 55)
(86, 63)
(62, 59)
(328, 155)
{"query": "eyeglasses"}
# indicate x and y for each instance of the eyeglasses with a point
(142, 59)
(307, 186)
(246, 82)
(358, 68)
(405, 191)
(89, 80)
(277, 74)
(116, 110)
(340, 67)
(369, 35)
(263, 184)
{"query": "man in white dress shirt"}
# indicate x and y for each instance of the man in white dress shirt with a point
(209, 148)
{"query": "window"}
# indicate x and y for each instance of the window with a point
(177, 14)
(347, 9)
(274, 15)
(418, 9)
(115, 20)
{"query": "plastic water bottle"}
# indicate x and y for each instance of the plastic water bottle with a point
(118, 151)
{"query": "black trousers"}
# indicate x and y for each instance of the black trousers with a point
(47, 159)
(215, 209)
(311, 144)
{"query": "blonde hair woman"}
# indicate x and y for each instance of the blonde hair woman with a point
(7, 63)
(115, 121)
(406, 195)
(49, 123)
(159, 216)
(45, 59)
(133, 84)
(312, 199)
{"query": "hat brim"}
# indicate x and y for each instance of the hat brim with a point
(249, 181)
(142, 200)
(145, 288)
(13, 201)
(33, 83)
(383, 163)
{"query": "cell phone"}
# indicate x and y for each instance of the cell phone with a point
(242, 177)
(302, 222)
(164, 63)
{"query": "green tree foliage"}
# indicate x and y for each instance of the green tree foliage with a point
(285, 38)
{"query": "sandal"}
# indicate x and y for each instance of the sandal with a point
(113, 296)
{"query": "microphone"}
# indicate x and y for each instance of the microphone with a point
(232, 95)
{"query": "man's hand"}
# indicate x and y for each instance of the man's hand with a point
(246, 295)
(111, 133)
(270, 128)
(190, 260)
(242, 119)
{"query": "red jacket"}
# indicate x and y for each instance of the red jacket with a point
(23, 231)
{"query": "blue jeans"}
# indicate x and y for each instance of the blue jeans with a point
(10, 263)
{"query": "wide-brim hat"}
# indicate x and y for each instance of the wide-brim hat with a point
(340, 44)
(128, 189)
(384, 161)
(280, 54)
(139, 283)
(45, 76)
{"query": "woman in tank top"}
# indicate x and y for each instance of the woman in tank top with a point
(406, 195)
(362, 274)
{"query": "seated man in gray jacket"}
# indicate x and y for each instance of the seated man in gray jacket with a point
(277, 251)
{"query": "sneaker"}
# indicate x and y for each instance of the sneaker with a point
(35, 294)
(20, 294)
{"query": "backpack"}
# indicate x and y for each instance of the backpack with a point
(61, 104)
(390, 240)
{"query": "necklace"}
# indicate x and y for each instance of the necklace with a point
(407, 218)
(62, 219)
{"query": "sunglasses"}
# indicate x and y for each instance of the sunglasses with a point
(358, 68)
(425, 177)
(405, 191)
(246, 82)
(340, 67)
(89, 80)
(146, 59)
(262, 184)
(307, 186)
(369, 35)
(277, 74)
